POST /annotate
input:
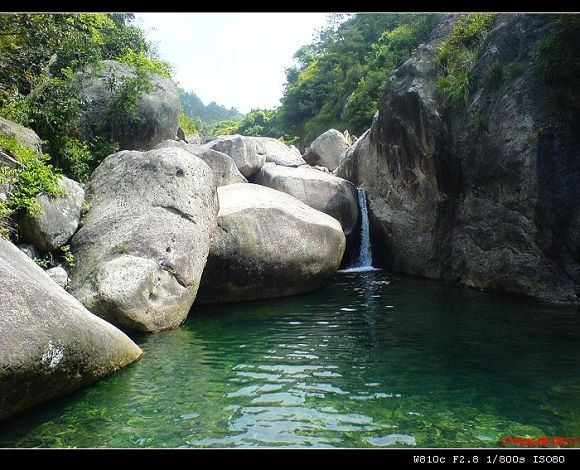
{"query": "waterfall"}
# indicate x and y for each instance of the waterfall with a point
(364, 257)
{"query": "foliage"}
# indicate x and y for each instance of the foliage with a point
(206, 117)
(67, 256)
(559, 64)
(43, 262)
(338, 79)
(226, 127)
(187, 124)
(35, 176)
(457, 55)
(39, 54)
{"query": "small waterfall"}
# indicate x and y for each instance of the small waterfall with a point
(364, 257)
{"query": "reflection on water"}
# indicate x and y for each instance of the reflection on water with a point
(368, 362)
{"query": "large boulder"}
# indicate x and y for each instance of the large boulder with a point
(49, 343)
(327, 149)
(145, 239)
(322, 191)
(268, 244)
(223, 167)
(242, 151)
(157, 109)
(23, 135)
(58, 219)
(486, 195)
(276, 151)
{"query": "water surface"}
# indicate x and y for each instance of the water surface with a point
(370, 361)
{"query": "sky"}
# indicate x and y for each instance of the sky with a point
(234, 59)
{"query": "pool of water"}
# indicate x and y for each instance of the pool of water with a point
(370, 361)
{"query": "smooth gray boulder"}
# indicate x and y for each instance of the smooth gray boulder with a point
(58, 220)
(327, 149)
(223, 166)
(23, 135)
(49, 343)
(268, 244)
(145, 239)
(59, 275)
(242, 151)
(276, 151)
(157, 113)
(321, 191)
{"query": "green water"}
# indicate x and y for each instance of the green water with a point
(365, 362)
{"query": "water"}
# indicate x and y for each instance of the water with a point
(364, 259)
(368, 362)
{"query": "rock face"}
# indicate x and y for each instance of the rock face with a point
(242, 151)
(145, 240)
(59, 275)
(327, 149)
(157, 109)
(486, 195)
(23, 135)
(49, 343)
(268, 244)
(321, 191)
(276, 152)
(58, 220)
(223, 167)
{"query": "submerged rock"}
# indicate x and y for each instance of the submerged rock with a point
(268, 244)
(58, 220)
(321, 191)
(49, 343)
(327, 149)
(145, 240)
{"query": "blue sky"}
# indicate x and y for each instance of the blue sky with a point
(234, 59)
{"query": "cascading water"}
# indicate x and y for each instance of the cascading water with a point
(364, 257)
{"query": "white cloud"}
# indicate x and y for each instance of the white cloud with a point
(235, 59)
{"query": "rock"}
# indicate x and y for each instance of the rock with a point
(327, 149)
(171, 143)
(49, 343)
(181, 134)
(29, 250)
(194, 139)
(487, 195)
(157, 109)
(321, 191)
(145, 238)
(245, 156)
(59, 275)
(223, 167)
(58, 220)
(356, 155)
(268, 244)
(23, 135)
(275, 151)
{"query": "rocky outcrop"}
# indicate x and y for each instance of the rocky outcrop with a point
(145, 239)
(223, 167)
(321, 191)
(242, 151)
(327, 150)
(49, 343)
(157, 113)
(268, 244)
(58, 219)
(23, 135)
(486, 194)
(276, 151)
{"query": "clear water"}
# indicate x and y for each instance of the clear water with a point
(363, 363)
